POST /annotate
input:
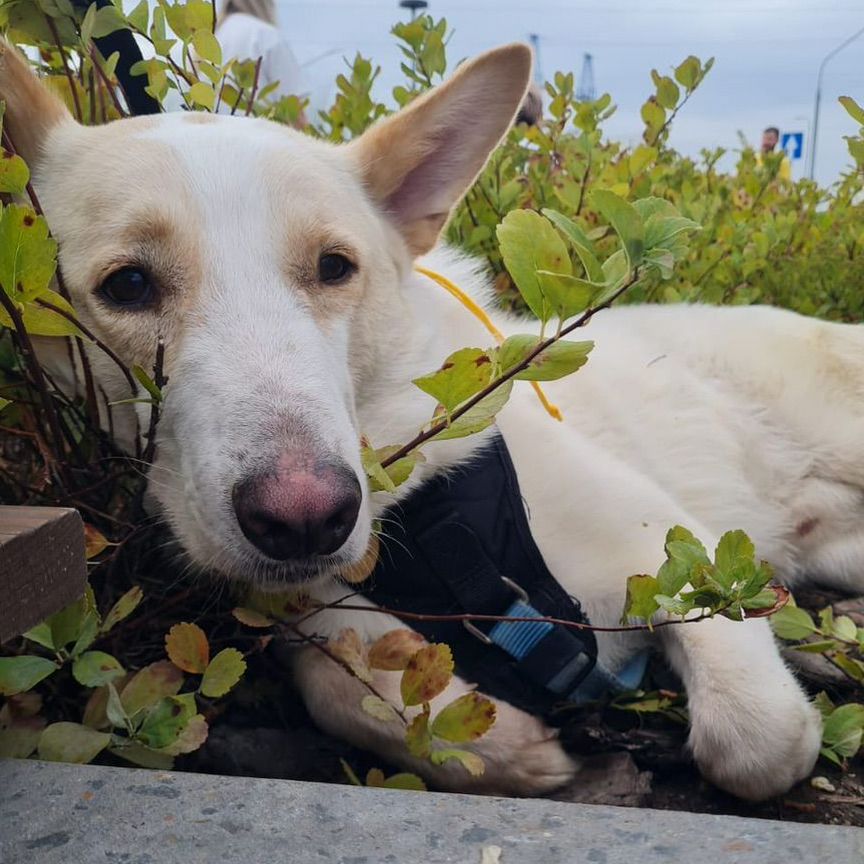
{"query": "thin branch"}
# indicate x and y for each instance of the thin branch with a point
(160, 381)
(254, 90)
(96, 340)
(314, 643)
(35, 370)
(94, 59)
(79, 114)
(782, 600)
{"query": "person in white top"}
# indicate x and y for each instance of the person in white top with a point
(247, 30)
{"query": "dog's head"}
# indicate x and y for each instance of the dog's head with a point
(263, 259)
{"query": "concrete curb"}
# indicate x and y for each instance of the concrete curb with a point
(52, 813)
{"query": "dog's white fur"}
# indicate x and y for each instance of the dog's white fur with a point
(710, 418)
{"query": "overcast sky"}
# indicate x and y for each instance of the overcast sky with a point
(767, 55)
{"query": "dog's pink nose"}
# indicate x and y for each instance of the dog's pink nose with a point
(298, 510)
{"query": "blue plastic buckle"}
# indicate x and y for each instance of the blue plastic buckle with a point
(517, 638)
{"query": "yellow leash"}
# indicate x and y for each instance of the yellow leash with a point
(553, 410)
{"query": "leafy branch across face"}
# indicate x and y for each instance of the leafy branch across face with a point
(473, 385)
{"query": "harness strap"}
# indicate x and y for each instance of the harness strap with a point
(461, 543)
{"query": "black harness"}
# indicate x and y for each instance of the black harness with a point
(461, 543)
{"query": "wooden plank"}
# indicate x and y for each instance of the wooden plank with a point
(42, 565)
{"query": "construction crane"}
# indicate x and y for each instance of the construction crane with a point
(585, 90)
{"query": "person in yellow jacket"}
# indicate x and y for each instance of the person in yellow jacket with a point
(770, 137)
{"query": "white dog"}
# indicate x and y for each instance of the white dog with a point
(279, 272)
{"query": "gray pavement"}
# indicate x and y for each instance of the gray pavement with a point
(68, 814)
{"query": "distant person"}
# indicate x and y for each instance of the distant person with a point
(531, 112)
(770, 139)
(247, 30)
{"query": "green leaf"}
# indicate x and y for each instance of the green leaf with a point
(687, 73)
(668, 93)
(843, 729)
(379, 709)
(529, 243)
(20, 740)
(792, 623)
(471, 762)
(404, 781)
(71, 742)
(853, 109)
(149, 685)
(115, 712)
(390, 478)
(479, 417)
(427, 674)
(463, 374)
(166, 720)
(28, 255)
(418, 738)
(844, 628)
(222, 673)
(626, 221)
(202, 95)
(147, 383)
(123, 608)
(567, 295)
(14, 174)
(4, 402)
(559, 359)
(641, 602)
(465, 719)
(107, 20)
(95, 668)
(18, 674)
(660, 231)
(140, 16)
(41, 635)
(580, 242)
(144, 757)
(207, 46)
(735, 548)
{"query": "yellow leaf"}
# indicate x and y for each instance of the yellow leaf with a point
(94, 541)
(123, 608)
(465, 719)
(187, 648)
(251, 617)
(427, 674)
(394, 649)
(222, 673)
(349, 649)
(379, 709)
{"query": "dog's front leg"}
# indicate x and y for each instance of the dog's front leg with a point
(521, 755)
(753, 731)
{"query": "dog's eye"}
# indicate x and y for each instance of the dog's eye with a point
(128, 287)
(334, 267)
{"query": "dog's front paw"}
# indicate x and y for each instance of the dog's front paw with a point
(537, 765)
(521, 756)
(755, 744)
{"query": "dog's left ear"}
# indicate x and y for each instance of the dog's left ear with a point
(32, 110)
(418, 163)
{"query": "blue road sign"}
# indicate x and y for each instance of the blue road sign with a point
(793, 144)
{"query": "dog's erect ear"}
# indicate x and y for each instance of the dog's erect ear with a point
(32, 110)
(418, 163)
